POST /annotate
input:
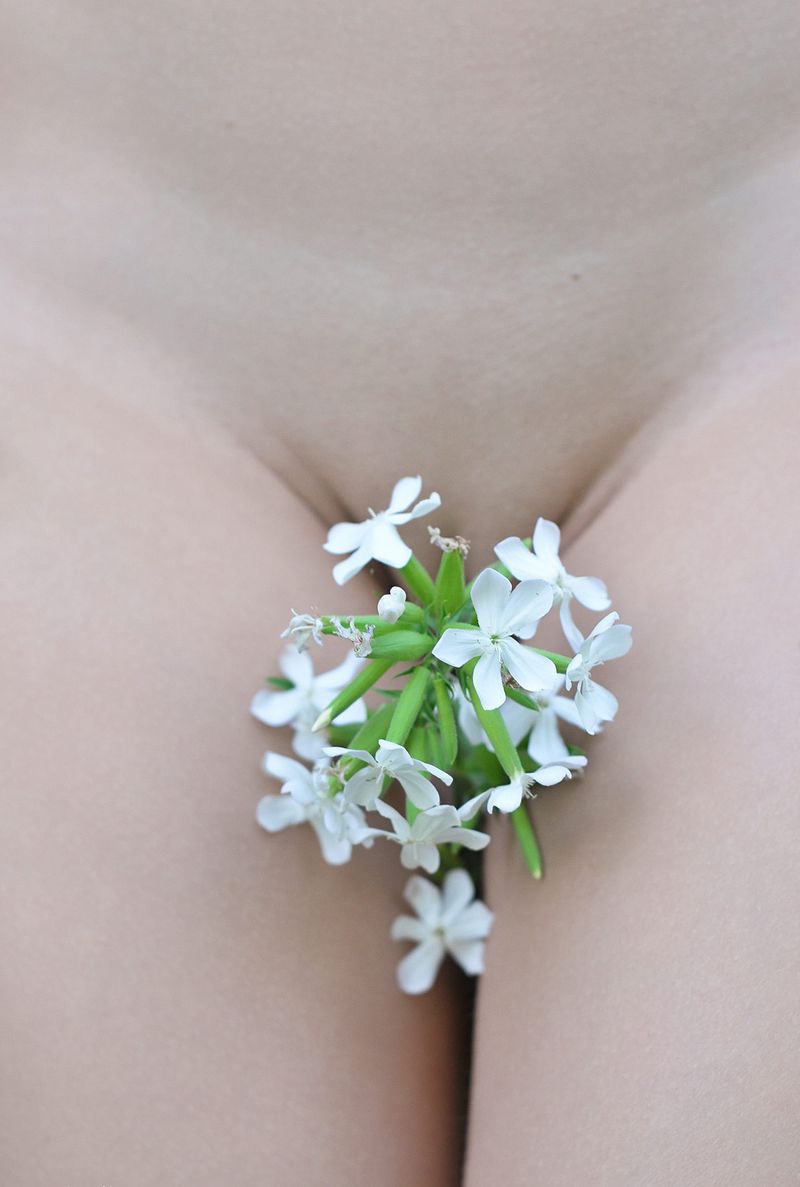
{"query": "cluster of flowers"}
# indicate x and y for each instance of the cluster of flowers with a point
(477, 713)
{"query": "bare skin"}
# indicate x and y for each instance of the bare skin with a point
(258, 264)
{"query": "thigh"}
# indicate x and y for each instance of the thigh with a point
(638, 1022)
(187, 1000)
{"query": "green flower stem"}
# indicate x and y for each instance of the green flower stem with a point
(402, 646)
(363, 682)
(448, 733)
(408, 705)
(527, 840)
(418, 580)
(562, 662)
(495, 729)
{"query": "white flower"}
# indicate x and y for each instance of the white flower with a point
(391, 762)
(440, 825)
(301, 705)
(301, 628)
(448, 921)
(545, 743)
(392, 605)
(305, 797)
(377, 538)
(509, 797)
(545, 564)
(501, 614)
(361, 640)
(608, 640)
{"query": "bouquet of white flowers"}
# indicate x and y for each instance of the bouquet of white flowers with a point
(468, 707)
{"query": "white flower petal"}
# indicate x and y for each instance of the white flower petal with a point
(405, 491)
(529, 602)
(545, 743)
(546, 538)
(420, 791)
(297, 666)
(612, 644)
(458, 890)
(288, 770)
(387, 547)
(345, 537)
(488, 679)
(530, 670)
(490, 594)
(590, 592)
(348, 568)
(423, 854)
(571, 632)
(405, 927)
(353, 715)
(470, 838)
(423, 507)
(457, 646)
(336, 850)
(308, 745)
(520, 561)
(469, 955)
(417, 971)
(276, 812)
(473, 923)
(277, 708)
(473, 806)
(425, 898)
(506, 798)
(564, 707)
(604, 703)
(550, 775)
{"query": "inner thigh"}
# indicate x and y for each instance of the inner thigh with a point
(638, 1019)
(187, 999)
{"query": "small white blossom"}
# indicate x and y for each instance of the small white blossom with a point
(301, 705)
(305, 798)
(301, 628)
(610, 639)
(501, 614)
(545, 564)
(441, 825)
(393, 762)
(392, 605)
(361, 640)
(448, 921)
(377, 538)
(509, 796)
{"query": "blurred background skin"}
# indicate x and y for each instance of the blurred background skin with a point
(259, 261)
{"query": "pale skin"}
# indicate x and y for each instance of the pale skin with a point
(258, 264)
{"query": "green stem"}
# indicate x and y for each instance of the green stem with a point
(408, 706)
(527, 840)
(369, 675)
(418, 580)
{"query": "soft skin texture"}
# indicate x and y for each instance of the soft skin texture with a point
(258, 262)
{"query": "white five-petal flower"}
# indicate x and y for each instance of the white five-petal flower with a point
(305, 797)
(545, 564)
(441, 825)
(392, 605)
(509, 796)
(301, 705)
(609, 640)
(502, 613)
(448, 921)
(377, 538)
(391, 761)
